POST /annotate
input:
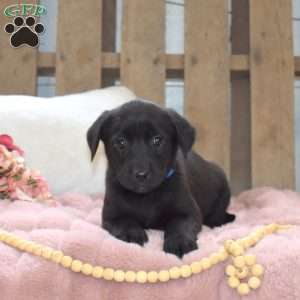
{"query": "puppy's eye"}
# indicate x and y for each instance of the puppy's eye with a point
(157, 140)
(121, 143)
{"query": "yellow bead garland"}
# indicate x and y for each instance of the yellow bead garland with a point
(243, 274)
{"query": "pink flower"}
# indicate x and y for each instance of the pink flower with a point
(8, 142)
(16, 181)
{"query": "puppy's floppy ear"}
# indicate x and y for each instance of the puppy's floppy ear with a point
(185, 132)
(96, 132)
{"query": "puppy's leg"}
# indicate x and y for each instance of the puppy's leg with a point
(181, 235)
(218, 215)
(229, 217)
(126, 230)
(219, 220)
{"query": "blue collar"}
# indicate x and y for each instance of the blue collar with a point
(170, 173)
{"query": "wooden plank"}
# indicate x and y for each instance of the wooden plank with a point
(272, 93)
(18, 69)
(78, 57)
(143, 46)
(238, 62)
(207, 77)
(240, 170)
(46, 60)
(297, 65)
(109, 23)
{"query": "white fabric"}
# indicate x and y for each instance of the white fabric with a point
(52, 132)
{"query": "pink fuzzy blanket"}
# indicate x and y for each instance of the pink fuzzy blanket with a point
(74, 228)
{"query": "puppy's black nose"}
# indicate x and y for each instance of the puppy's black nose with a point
(141, 175)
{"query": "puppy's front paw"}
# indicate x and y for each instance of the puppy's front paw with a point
(179, 245)
(133, 235)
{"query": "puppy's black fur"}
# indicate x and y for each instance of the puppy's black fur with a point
(154, 180)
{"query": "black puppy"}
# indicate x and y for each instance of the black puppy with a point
(153, 180)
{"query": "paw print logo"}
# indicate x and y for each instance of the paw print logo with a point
(24, 31)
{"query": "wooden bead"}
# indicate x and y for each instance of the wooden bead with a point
(163, 276)
(237, 250)
(66, 261)
(227, 244)
(243, 289)
(223, 254)
(22, 244)
(196, 267)
(257, 270)
(141, 276)
(205, 262)
(249, 242)
(230, 270)
(174, 273)
(29, 247)
(258, 236)
(17, 243)
(250, 260)
(232, 249)
(2, 236)
(185, 271)
(254, 238)
(233, 282)
(214, 258)
(108, 274)
(8, 238)
(239, 242)
(57, 256)
(119, 276)
(239, 261)
(76, 265)
(152, 276)
(242, 273)
(252, 241)
(37, 250)
(244, 243)
(260, 233)
(271, 228)
(14, 242)
(254, 282)
(5, 236)
(87, 269)
(47, 252)
(130, 276)
(97, 272)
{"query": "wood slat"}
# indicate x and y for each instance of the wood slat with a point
(143, 46)
(78, 57)
(272, 93)
(207, 77)
(240, 168)
(238, 62)
(109, 24)
(18, 66)
(297, 66)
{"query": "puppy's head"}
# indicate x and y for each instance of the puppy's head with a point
(141, 141)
